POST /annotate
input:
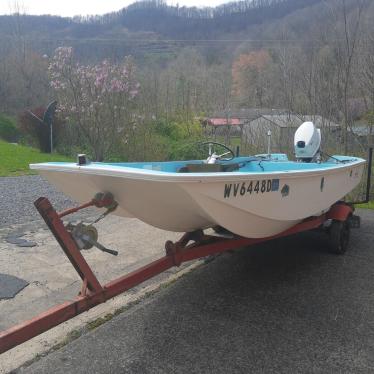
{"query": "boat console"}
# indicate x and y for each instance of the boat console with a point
(209, 168)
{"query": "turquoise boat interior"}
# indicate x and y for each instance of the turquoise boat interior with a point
(251, 164)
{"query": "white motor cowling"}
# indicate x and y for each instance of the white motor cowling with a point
(307, 142)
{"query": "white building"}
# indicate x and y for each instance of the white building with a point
(283, 127)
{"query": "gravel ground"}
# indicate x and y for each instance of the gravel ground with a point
(17, 195)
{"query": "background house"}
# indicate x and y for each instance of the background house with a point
(232, 123)
(363, 134)
(251, 126)
(283, 127)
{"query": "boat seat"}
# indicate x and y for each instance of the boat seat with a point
(208, 168)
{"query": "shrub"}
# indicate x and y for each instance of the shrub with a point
(8, 129)
(36, 133)
(182, 138)
(183, 150)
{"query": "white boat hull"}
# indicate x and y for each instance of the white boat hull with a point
(272, 203)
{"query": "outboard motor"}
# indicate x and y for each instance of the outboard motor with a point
(307, 143)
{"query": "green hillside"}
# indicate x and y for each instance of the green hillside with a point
(15, 159)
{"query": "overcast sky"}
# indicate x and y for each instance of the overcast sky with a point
(83, 7)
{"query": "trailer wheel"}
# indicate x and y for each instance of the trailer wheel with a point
(339, 233)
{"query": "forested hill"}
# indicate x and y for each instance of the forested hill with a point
(152, 29)
(155, 16)
(185, 23)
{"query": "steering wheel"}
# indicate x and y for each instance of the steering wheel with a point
(213, 155)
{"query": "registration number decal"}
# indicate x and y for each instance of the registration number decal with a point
(251, 187)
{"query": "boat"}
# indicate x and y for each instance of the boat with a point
(250, 196)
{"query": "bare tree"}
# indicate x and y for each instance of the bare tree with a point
(347, 33)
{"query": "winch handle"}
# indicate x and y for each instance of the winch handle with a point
(100, 246)
(104, 249)
(110, 251)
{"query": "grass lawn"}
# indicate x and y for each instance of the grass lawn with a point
(369, 205)
(15, 159)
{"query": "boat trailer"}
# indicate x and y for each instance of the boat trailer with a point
(193, 245)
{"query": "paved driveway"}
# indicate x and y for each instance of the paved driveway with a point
(283, 307)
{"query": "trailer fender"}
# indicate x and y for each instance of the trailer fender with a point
(340, 212)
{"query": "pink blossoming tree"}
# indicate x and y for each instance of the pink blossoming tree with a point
(97, 98)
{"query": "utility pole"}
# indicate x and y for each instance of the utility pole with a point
(228, 122)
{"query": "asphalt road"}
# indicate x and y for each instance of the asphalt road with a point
(283, 307)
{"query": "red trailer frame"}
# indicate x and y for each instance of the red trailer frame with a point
(191, 246)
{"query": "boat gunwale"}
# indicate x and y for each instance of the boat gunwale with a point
(162, 176)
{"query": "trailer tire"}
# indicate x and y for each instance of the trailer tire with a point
(339, 234)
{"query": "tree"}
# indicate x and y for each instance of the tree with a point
(97, 98)
(249, 77)
(347, 33)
